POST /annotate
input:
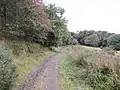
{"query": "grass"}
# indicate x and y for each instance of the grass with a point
(68, 80)
(89, 69)
(91, 48)
(26, 57)
(66, 83)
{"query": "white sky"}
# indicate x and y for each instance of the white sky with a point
(91, 14)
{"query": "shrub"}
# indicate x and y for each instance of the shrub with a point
(7, 69)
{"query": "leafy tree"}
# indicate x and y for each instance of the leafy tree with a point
(114, 41)
(7, 10)
(92, 40)
(74, 35)
(75, 42)
(82, 36)
(59, 25)
(103, 36)
(31, 21)
(25, 19)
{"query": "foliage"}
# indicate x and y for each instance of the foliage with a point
(7, 69)
(82, 35)
(23, 11)
(93, 38)
(74, 42)
(59, 28)
(114, 41)
(24, 19)
(27, 56)
(34, 22)
(74, 35)
(91, 69)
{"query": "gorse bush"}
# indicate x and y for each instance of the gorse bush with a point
(7, 69)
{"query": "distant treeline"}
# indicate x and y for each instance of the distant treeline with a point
(97, 39)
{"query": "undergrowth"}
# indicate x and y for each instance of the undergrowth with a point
(89, 69)
(7, 68)
(27, 56)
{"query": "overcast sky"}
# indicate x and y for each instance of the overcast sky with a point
(91, 14)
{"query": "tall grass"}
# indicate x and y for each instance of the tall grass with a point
(95, 68)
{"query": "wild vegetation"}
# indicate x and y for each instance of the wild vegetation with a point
(28, 28)
(30, 31)
(7, 68)
(89, 68)
(17, 60)
(31, 21)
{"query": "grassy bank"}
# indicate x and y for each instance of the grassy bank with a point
(65, 68)
(89, 69)
(26, 57)
(67, 74)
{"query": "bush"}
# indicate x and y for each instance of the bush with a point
(7, 69)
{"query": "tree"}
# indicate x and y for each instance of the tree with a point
(75, 42)
(114, 41)
(24, 19)
(82, 36)
(59, 25)
(92, 40)
(102, 36)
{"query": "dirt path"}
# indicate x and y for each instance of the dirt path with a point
(45, 77)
